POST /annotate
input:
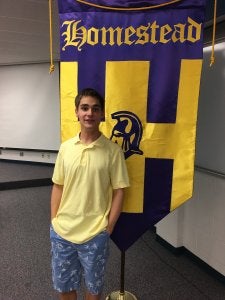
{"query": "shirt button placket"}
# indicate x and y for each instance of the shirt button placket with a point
(83, 159)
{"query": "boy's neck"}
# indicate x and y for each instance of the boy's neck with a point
(88, 137)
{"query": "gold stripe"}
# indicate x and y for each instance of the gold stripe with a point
(68, 91)
(126, 90)
(186, 131)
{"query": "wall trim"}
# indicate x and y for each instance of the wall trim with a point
(184, 251)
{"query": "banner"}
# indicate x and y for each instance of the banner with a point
(145, 58)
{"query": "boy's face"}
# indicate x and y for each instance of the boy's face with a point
(89, 113)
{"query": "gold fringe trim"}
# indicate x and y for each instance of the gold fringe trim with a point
(128, 9)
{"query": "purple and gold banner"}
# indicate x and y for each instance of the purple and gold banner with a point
(145, 57)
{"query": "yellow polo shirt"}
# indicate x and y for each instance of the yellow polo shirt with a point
(88, 174)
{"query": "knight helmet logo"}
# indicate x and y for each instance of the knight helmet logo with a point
(127, 132)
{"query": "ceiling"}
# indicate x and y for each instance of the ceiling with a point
(24, 30)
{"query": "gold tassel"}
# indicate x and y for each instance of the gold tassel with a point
(212, 58)
(52, 67)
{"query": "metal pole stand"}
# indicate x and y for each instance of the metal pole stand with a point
(122, 294)
(118, 296)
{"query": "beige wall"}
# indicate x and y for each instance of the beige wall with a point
(199, 225)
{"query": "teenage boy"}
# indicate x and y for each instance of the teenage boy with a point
(89, 179)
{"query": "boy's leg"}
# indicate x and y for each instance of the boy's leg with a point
(68, 296)
(89, 296)
(93, 257)
(66, 268)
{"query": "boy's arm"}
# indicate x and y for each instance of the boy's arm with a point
(55, 199)
(116, 208)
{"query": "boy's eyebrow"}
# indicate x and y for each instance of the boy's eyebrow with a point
(95, 105)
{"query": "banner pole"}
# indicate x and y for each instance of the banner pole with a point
(122, 272)
(122, 294)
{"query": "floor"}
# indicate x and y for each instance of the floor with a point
(151, 270)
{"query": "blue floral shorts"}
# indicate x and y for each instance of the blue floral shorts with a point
(70, 261)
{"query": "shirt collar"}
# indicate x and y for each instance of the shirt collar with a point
(99, 142)
(77, 139)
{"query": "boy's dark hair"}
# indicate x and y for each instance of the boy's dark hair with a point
(89, 92)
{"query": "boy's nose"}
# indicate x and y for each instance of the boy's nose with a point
(90, 111)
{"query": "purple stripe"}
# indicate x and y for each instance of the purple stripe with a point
(163, 91)
(157, 195)
(89, 78)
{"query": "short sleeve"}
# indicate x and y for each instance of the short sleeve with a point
(58, 174)
(119, 174)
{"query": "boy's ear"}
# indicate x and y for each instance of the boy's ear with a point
(76, 114)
